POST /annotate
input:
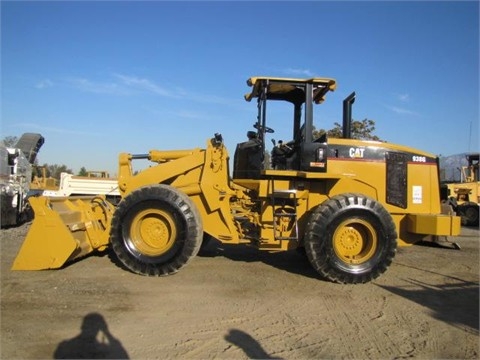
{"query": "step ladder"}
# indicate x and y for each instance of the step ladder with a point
(276, 197)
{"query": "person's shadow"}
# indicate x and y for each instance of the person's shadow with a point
(248, 344)
(94, 342)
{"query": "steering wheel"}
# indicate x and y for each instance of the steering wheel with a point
(269, 130)
(266, 128)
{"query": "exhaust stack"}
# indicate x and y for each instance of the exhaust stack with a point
(347, 116)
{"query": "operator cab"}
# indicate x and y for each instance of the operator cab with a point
(301, 153)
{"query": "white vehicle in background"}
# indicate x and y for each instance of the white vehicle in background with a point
(72, 185)
(16, 165)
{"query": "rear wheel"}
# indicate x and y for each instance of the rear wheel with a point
(156, 230)
(350, 238)
(469, 214)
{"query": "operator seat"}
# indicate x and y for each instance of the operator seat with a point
(248, 159)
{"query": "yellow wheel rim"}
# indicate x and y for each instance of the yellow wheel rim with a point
(355, 241)
(153, 232)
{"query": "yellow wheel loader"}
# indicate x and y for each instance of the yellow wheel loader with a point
(347, 203)
(464, 196)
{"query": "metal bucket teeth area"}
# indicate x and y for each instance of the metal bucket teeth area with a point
(64, 229)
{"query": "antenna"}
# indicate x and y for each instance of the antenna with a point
(470, 138)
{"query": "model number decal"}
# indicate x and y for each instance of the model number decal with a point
(421, 159)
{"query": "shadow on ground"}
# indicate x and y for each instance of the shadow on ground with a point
(456, 304)
(293, 261)
(248, 344)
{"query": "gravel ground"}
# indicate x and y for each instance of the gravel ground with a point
(236, 303)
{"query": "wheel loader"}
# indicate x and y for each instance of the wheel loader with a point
(344, 203)
(464, 196)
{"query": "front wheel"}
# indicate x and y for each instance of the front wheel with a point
(350, 238)
(156, 230)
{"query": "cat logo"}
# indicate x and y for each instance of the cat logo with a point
(356, 153)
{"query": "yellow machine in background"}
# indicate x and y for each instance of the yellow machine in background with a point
(464, 196)
(43, 182)
(347, 202)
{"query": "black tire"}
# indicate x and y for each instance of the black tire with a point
(350, 239)
(469, 214)
(156, 230)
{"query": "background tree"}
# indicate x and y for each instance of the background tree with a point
(361, 130)
(37, 170)
(83, 171)
(54, 170)
(10, 141)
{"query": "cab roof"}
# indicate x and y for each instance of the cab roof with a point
(290, 89)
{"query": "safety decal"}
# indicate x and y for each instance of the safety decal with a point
(417, 197)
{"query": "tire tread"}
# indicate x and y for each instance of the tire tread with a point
(188, 210)
(316, 243)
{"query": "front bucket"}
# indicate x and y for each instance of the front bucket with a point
(64, 229)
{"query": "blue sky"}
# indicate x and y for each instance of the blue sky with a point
(100, 78)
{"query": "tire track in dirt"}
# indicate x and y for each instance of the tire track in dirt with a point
(237, 306)
(357, 332)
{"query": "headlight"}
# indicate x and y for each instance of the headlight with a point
(320, 155)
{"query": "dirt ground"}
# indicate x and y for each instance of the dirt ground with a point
(237, 303)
